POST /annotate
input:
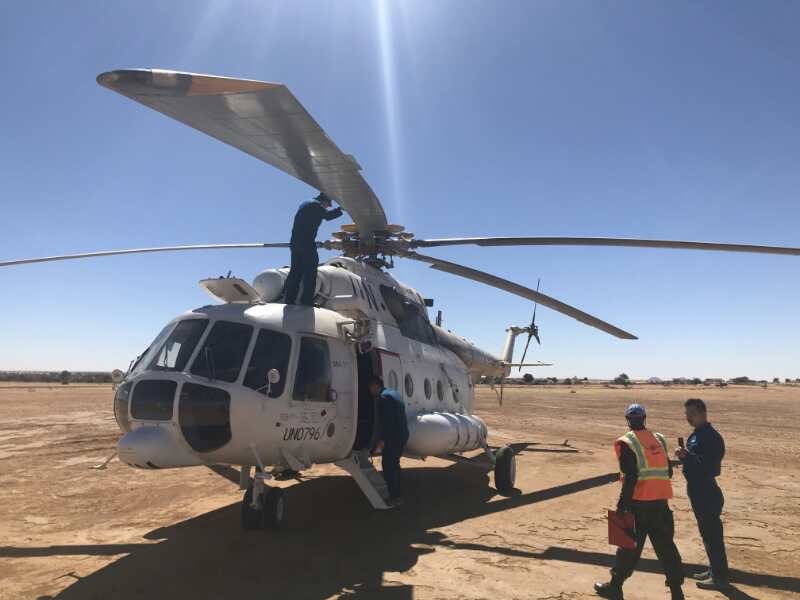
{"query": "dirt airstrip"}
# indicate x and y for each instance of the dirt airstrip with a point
(67, 531)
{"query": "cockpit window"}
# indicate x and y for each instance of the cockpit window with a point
(145, 357)
(270, 352)
(176, 350)
(223, 352)
(312, 381)
(410, 316)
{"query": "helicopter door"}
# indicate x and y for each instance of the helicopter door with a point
(391, 370)
(325, 385)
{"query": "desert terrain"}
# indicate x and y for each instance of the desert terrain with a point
(68, 531)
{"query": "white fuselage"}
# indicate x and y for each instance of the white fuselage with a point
(200, 395)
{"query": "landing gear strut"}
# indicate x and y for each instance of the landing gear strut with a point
(263, 507)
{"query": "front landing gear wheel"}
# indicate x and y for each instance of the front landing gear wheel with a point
(270, 514)
(505, 469)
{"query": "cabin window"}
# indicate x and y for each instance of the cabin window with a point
(409, 385)
(222, 354)
(428, 390)
(440, 390)
(178, 347)
(270, 352)
(312, 382)
(393, 380)
(410, 316)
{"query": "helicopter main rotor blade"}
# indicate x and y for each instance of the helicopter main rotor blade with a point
(26, 261)
(605, 241)
(520, 290)
(264, 120)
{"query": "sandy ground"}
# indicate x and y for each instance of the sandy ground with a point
(67, 531)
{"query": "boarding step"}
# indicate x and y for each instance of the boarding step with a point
(359, 465)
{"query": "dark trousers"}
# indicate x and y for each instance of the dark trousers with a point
(707, 502)
(653, 520)
(304, 269)
(390, 466)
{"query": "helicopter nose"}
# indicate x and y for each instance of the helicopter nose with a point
(154, 447)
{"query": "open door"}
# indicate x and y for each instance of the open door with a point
(391, 370)
(325, 388)
(368, 366)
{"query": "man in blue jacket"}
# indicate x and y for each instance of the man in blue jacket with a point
(303, 244)
(702, 463)
(392, 436)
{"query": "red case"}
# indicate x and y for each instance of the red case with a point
(621, 530)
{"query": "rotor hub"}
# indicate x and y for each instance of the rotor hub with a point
(374, 249)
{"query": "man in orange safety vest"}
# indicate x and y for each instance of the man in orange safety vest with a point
(646, 488)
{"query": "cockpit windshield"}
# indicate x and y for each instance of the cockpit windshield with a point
(223, 352)
(174, 353)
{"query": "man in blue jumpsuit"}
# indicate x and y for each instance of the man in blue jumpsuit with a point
(702, 463)
(392, 436)
(303, 244)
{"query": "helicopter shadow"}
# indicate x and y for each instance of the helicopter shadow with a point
(334, 544)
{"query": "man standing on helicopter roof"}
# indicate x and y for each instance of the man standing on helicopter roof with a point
(303, 245)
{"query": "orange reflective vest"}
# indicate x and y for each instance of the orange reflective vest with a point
(652, 459)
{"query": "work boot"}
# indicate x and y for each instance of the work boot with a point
(610, 590)
(702, 575)
(713, 584)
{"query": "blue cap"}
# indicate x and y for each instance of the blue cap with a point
(635, 411)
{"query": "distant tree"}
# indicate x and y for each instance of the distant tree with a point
(741, 380)
(697, 381)
(622, 379)
(776, 380)
(567, 381)
(527, 378)
(65, 377)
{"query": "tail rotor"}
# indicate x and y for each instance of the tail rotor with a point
(533, 329)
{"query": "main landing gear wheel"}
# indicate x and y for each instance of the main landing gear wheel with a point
(270, 514)
(505, 469)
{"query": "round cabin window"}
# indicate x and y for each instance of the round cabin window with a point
(428, 390)
(440, 390)
(393, 380)
(409, 385)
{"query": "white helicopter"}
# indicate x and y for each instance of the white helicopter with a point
(253, 382)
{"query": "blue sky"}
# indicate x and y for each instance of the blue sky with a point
(637, 119)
